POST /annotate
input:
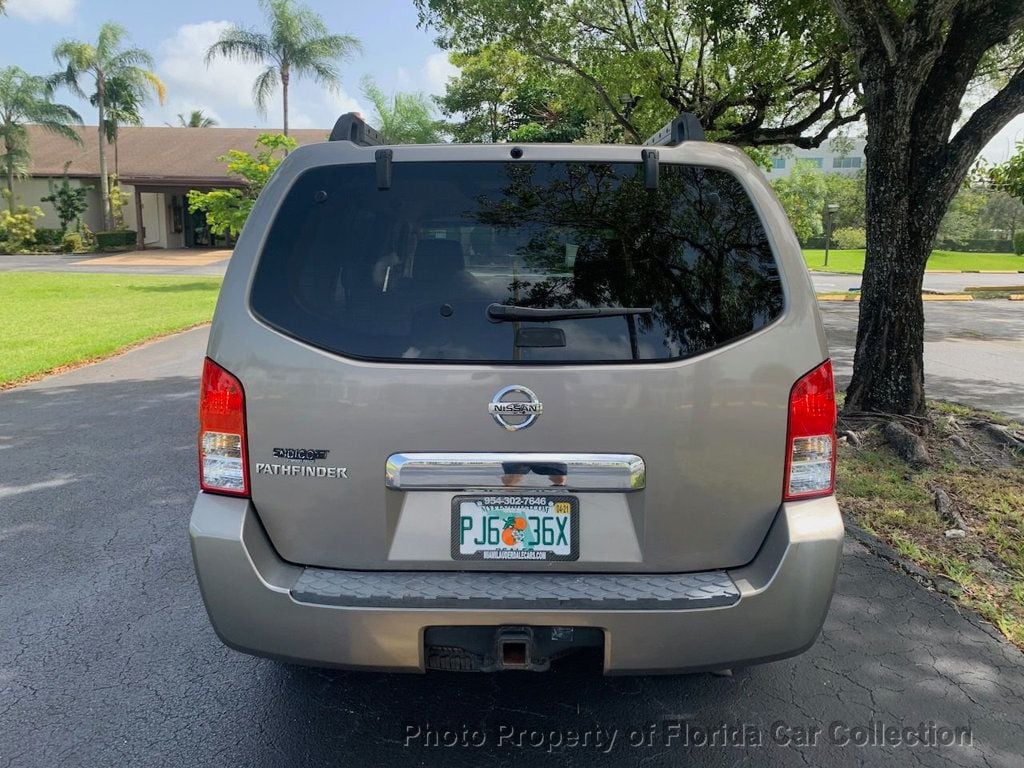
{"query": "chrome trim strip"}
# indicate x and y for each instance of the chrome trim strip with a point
(529, 471)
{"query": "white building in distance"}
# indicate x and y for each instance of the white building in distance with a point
(844, 156)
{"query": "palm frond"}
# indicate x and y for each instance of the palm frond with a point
(243, 45)
(264, 88)
(110, 38)
(132, 57)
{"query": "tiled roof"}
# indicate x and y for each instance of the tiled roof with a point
(151, 154)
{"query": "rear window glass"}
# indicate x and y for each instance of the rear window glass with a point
(414, 272)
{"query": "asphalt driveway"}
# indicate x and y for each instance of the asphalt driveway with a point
(106, 657)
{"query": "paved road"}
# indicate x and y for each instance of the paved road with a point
(973, 353)
(106, 657)
(66, 262)
(823, 281)
(827, 282)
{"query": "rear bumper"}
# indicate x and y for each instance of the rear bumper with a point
(784, 594)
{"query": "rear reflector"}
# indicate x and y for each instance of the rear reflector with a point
(223, 461)
(811, 440)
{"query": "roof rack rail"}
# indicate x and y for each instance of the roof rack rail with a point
(683, 127)
(352, 127)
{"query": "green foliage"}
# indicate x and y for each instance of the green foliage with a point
(1009, 177)
(118, 239)
(227, 209)
(118, 201)
(196, 119)
(26, 99)
(500, 92)
(72, 242)
(405, 118)
(803, 195)
(1002, 215)
(961, 221)
(755, 73)
(298, 43)
(1018, 243)
(18, 228)
(806, 192)
(850, 238)
(48, 238)
(70, 202)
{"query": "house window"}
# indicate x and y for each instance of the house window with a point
(779, 164)
(818, 162)
(847, 162)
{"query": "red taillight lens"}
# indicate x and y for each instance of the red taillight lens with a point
(223, 461)
(811, 438)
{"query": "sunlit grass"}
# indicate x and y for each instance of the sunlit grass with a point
(50, 320)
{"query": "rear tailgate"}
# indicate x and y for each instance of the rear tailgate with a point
(391, 356)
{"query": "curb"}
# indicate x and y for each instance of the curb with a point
(946, 589)
(924, 297)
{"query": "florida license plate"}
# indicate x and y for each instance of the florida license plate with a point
(536, 527)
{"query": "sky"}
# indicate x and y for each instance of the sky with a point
(396, 53)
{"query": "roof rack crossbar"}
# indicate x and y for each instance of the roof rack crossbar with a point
(351, 127)
(683, 127)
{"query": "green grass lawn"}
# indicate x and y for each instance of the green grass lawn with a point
(853, 261)
(48, 320)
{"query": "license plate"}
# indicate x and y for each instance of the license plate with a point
(537, 527)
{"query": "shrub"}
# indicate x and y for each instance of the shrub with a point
(850, 237)
(1018, 243)
(19, 228)
(117, 239)
(72, 242)
(48, 238)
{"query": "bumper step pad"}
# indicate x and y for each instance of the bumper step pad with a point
(500, 591)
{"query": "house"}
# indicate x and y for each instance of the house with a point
(846, 157)
(156, 167)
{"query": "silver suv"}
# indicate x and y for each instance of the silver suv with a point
(473, 407)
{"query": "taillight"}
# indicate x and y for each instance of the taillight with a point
(811, 437)
(223, 462)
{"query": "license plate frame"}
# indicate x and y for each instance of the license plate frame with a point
(528, 504)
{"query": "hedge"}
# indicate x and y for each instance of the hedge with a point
(122, 238)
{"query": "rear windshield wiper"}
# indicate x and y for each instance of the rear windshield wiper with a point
(504, 313)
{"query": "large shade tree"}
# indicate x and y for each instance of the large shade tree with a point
(920, 61)
(25, 98)
(88, 69)
(756, 73)
(298, 43)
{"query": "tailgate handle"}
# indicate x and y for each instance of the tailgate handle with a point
(571, 471)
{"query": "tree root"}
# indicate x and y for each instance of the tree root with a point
(907, 445)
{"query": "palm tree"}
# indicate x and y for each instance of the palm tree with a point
(104, 62)
(123, 103)
(196, 119)
(405, 118)
(25, 98)
(298, 43)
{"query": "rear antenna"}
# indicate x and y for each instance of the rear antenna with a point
(383, 158)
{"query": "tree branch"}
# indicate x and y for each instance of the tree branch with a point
(990, 118)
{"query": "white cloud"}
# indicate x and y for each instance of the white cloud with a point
(60, 11)
(437, 71)
(182, 65)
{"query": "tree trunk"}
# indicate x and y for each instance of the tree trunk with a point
(903, 213)
(10, 178)
(104, 181)
(284, 95)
